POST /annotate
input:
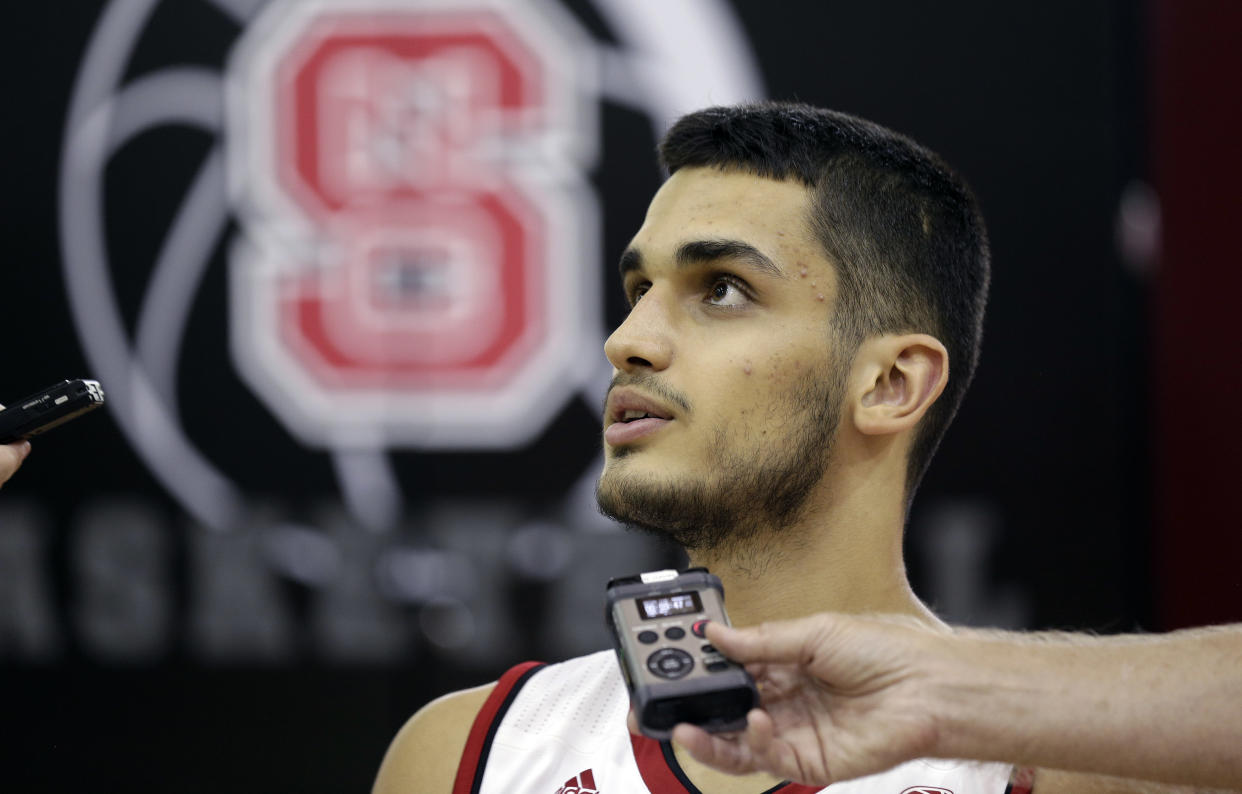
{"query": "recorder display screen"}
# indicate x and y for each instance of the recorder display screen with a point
(663, 606)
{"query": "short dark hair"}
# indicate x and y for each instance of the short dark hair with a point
(903, 230)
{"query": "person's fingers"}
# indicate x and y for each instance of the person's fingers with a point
(631, 722)
(756, 750)
(16, 452)
(725, 754)
(11, 457)
(787, 641)
(759, 731)
(772, 756)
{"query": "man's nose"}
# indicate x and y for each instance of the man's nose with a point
(644, 339)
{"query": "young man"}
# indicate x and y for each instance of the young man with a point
(807, 293)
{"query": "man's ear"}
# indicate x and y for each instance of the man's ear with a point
(896, 378)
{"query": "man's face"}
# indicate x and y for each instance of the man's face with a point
(726, 395)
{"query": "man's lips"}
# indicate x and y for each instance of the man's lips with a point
(620, 433)
(632, 415)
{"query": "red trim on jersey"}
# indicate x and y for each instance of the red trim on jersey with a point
(661, 778)
(796, 788)
(485, 724)
(1021, 780)
(656, 774)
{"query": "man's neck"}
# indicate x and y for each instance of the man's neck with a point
(845, 556)
(846, 559)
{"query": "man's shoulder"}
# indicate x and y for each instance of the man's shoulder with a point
(425, 752)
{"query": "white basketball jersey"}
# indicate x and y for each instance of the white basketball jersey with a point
(560, 729)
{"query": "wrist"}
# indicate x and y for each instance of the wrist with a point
(980, 696)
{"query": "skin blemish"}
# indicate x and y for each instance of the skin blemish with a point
(820, 297)
(775, 367)
(746, 367)
(802, 273)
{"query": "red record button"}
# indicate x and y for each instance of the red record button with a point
(700, 627)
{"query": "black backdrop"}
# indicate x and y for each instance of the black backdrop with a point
(144, 652)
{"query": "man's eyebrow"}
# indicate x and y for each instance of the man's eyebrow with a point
(698, 252)
(631, 259)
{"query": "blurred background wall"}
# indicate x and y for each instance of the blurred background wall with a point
(345, 269)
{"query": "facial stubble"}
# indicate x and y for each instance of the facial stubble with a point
(751, 488)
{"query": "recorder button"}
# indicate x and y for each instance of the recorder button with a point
(699, 628)
(647, 637)
(716, 667)
(675, 633)
(708, 649)
(670, 663)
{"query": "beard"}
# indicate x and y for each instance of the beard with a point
(752, 487)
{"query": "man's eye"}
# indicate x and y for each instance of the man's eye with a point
(726, 291)
(638, 292)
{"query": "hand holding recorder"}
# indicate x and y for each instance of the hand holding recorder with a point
(40, 412)
(841, 698)
(844, 696)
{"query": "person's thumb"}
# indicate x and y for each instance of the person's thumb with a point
(785, 641)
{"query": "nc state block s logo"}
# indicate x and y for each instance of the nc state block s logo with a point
(414, 269)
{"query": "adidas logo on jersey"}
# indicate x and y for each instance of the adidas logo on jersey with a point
(582, 783)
